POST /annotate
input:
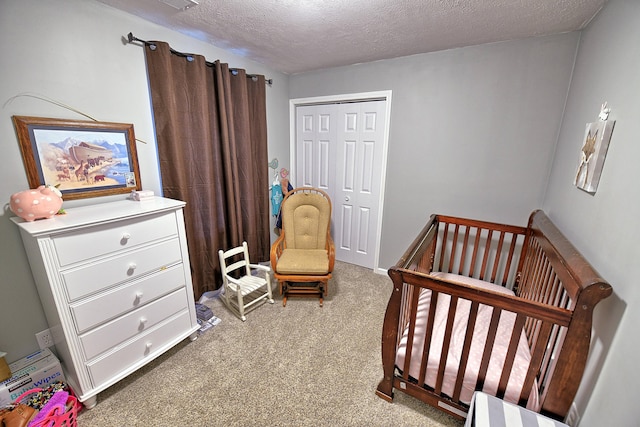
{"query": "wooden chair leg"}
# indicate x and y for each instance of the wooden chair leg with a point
(320, 288)
(283, 292)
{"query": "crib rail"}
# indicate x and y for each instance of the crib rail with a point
(484, 250)
(545, 321)
(549, 278)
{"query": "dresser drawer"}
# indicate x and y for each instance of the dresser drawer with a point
(124, 358)
(107, 306)
(99, 275)
(105, 239)
(123, 328)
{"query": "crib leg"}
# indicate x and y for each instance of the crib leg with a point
(383, 395)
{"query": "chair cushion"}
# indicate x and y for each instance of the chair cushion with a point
(303, 262)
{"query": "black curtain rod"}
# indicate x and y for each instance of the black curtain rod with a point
(189, 56)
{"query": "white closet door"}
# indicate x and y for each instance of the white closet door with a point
(359, 166)
(339, 149)
(315, 147)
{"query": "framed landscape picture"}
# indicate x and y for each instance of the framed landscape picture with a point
(81, 158)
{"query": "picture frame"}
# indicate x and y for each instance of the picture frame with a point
(81, 158)
(597, 136)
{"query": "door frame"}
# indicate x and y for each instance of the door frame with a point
(337, 99)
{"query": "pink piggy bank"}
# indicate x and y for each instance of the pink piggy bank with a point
(43, 202)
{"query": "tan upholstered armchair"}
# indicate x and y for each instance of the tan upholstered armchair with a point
(302, 258)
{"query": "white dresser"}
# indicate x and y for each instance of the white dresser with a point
(115, 284)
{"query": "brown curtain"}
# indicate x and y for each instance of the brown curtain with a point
(211, 130)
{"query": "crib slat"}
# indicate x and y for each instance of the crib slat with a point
(538, 273)
(553, 343)
(485, 258)
(525, 268)
(454, 247)
(405, 304)
(545, 271)
(463, 255)
(529, 275)
(466, 349)
(488, 347)
(427, 340)
(536, 361)
(476, 245)
(412, 327)
(511, 353)
(535, 291)
(443, 245)
(547, 285)
(556, 292)
(542, 295)
(496, 261)
(447, 341)
(512, 249)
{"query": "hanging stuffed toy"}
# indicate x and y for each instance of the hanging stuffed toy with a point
(276, 197)
(284, 182)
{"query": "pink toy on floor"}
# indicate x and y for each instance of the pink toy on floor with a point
(55, 406)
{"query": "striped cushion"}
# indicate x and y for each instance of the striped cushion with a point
(490, 411)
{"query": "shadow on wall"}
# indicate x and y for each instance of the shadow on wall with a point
(21, 306)
(606, 319)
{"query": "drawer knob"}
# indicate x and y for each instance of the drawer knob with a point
(125, 238)
(147, 348)
(139, 296)
(132, 268)
(143, 322)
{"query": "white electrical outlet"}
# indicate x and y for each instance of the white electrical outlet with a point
(45, 339)
(573, 417)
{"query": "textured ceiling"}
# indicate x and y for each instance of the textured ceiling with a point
(294, 36)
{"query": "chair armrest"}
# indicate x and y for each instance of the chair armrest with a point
(331, 251)
(233, 280)
(276, 250)
(260, 267)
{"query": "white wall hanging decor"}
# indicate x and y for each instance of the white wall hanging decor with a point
(594, 150)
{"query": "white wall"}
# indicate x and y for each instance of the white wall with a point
(604, 226)
(72, 51)
(473, 130)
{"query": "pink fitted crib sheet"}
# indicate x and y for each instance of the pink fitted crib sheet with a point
(496, 362)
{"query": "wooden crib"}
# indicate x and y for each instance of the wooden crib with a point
(512, 309)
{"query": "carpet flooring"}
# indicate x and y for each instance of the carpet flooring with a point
(299, 365)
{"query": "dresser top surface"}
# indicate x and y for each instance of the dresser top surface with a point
(97, 214)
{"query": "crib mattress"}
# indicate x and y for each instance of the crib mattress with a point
(496, 362)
